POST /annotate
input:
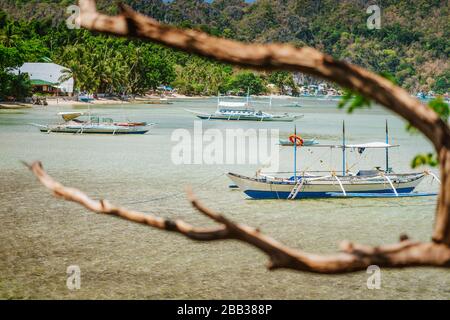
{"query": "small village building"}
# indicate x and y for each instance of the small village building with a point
(46, 78)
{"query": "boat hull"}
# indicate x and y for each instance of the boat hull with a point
(260, 188)
(247, 118)
(96, 129)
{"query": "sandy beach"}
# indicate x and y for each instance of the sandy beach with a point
(15, 105)
(61, 101)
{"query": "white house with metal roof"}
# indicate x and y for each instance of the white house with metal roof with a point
(47, 74)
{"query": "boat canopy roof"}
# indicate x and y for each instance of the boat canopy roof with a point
(372, 145)
(232, 104)
(369, 145)
(236, 110)
(67, 116)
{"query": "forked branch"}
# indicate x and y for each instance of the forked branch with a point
(353, 257)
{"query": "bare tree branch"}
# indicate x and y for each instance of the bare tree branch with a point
(103, 206)
(353, 257)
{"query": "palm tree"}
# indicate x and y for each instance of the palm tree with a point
(8, 36)
(67, 74)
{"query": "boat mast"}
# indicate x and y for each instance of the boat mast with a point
(344, 162)
(248, 96)
(295, 154)
(218, 100)
(387, 148)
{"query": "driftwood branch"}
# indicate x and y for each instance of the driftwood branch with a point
(353, 257)
(286, 57)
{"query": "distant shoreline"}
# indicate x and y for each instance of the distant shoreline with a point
(61, 101)
(147, 99)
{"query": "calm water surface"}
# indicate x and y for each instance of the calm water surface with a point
(41, 236)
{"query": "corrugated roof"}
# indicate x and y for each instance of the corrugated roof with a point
(39, 82)
(49, 72)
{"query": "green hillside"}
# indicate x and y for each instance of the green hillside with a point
(412, 44)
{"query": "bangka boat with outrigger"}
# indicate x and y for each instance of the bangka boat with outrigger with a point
(79, 123)
(242, 111)
(376, 183)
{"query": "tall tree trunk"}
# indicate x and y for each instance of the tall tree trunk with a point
(442, 227)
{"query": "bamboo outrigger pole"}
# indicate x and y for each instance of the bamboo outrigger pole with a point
(387, 148)
(248, 96)
(295, 153)
(344, 162)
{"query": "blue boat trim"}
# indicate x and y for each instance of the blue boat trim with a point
(382, 195)
(97, 132)
(256, 119)
(402, 192)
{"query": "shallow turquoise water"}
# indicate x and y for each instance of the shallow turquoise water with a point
(40, 235)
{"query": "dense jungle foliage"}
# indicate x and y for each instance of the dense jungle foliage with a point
(412, 44)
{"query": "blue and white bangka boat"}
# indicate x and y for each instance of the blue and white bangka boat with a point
(315, 184)
(242, 111)
(371, 183)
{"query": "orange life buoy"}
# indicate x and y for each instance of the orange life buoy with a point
(296, 139)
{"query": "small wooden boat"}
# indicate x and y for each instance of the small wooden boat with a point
(74, 123)
(306, 142)
(67, 116)
(152, 101)
(93, 128)
(85, 98)
(292, 105)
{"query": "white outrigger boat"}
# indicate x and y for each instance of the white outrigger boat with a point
(75, 123)
(242, 111)
(319, 184)
(370, 184)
